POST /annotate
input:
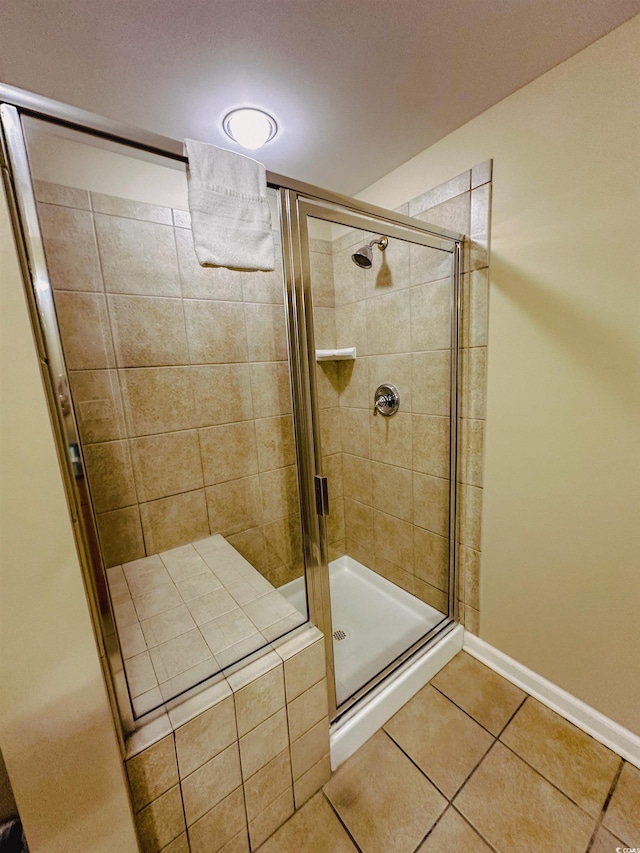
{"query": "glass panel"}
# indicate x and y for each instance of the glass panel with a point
(388, 476)
(180, 385)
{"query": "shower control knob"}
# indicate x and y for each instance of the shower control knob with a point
(386, 400)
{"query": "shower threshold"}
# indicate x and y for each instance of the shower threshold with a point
(374, 621)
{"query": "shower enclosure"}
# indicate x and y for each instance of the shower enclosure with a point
(387, 478)
(242, 451)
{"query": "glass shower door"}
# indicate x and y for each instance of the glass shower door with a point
(171, 395)
(381, 312)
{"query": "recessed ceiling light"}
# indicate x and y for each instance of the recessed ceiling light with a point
(249, 127)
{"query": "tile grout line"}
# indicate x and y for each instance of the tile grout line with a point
(155, 799)
(605, 806)
(184, 812)
(461, 788)
(470, 774)
(504, 728)
(458, 790)
(499, 737)
(126, 414)
(286, 749)
(341, 822)
(462, 817)
(289, 741)
(613, 785)
(242, 779)
(496, 740)
(258, 473)
(406, 754)
(420, 843)
(553, 785)
(467, 821)
(453, 806)
(442, 693)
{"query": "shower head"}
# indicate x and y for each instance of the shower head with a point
(363, 257)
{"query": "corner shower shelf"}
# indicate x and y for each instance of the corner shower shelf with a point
(344, 354)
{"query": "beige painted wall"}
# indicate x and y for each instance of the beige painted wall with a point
(56, 731)
(560, 581)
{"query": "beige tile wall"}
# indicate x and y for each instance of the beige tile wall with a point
(180, 381)
(221, 770)
(184, 402)
(389, 484)
(473, 372)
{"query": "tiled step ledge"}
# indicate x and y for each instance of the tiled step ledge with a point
(186, 614)
(223, 766)
(599, 726)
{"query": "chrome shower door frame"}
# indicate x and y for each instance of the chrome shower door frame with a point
(295, 210)
(305, 419)
(19, 191)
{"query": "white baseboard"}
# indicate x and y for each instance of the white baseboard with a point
(602, 728)
(350, 732)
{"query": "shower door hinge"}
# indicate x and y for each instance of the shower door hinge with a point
(322, 495)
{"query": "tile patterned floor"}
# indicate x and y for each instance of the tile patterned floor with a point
(185, 614)
(472, 763)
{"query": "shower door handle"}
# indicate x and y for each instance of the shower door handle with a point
(322, 495)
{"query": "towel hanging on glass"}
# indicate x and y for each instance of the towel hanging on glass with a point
(230, 214)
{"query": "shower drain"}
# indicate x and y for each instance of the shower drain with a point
(340, 634)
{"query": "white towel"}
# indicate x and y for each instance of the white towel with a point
(230, 214)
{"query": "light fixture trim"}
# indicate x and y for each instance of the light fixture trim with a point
(249, 127)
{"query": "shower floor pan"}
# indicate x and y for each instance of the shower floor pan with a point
(374, 621)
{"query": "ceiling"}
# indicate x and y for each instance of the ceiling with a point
(357, 86)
